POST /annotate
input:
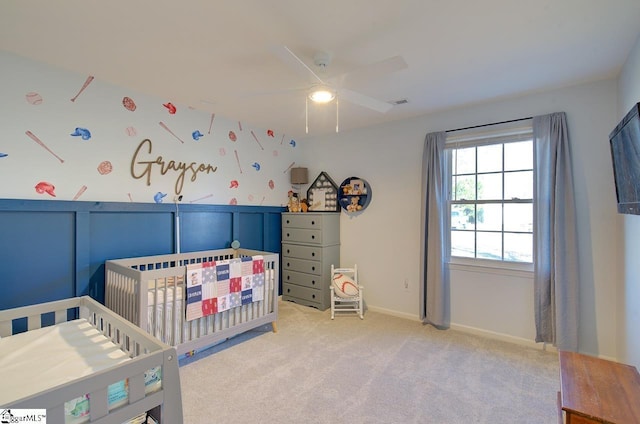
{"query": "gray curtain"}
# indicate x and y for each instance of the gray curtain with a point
(434, 290)
(556, 257)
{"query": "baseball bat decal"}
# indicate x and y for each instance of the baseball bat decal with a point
(213, 115)
(162, 124)
(85, 85)
(256, 138)
(37, 140)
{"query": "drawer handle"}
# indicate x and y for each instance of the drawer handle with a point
(288, 221)
(313, 296)
(288, 264)
(313, 237)
(313, 222)
(288, 290)
(313, 254)
(313, 268)
(288, 235)
(288, 251)
(288, 277)
(313, 282)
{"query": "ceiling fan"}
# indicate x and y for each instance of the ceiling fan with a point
(326, 90)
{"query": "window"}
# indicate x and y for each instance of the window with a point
(491, 197)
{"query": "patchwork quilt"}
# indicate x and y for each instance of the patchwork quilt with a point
(218, 286)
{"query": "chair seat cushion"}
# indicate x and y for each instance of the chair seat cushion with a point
(344, 286)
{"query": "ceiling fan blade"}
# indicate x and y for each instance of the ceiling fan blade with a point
(374, 70)
(365, 101)
(293, 61)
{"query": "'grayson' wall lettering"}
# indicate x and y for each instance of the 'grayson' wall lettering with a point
(142, 168)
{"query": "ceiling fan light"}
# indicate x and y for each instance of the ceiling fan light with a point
(322, 95)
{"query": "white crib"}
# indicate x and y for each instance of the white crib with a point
(150, 292)
(71, 356)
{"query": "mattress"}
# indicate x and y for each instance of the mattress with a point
(44, 358)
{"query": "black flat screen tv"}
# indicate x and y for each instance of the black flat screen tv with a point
(625, 154)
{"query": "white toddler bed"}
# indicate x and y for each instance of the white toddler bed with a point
(154, 293)
(81, 362)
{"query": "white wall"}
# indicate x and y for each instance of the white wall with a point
(629, 282)
(384, 240)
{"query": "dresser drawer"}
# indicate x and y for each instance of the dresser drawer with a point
(302, 252)
(305, 293)
(302, 265)
(301, 220)
(302, 279)
(301, 235)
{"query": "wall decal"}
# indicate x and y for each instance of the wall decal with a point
(170, 108)
(271, 184)
(105, 167)
(80, 192)
(45, 187)
(232, 136)
(162, 124)
(130, 198)
(142, 168)
(233, 184)
(44, 146)
(233, 201)
(292, 143)
(84, 86)
(239, 126)
(213, 115)
(33, 98)
(289, 167)
(128, 103)
(202, 198)
(238, 160)
(159, 196)
(256, 166)
(222, 151)
(3, 155)
(131, 131)
(270, 133)
(257, 141)
(81, 132)
(282, 139)
(196, 135)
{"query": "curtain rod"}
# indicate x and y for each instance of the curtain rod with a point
(488, 125)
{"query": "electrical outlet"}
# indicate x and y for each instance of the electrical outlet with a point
(406, 284)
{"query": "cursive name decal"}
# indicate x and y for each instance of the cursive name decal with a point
(142, 168)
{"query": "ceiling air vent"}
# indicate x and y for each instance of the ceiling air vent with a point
(399, 102)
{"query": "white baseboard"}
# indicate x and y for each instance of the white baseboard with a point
(473, 330)
(392, 313)
(503, 337)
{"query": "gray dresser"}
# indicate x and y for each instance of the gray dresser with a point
(310, 244)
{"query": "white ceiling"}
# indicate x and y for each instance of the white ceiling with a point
(218, 56)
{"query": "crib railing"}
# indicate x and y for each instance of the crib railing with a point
(150, 292)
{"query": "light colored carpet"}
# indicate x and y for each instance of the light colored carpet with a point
(381, 369)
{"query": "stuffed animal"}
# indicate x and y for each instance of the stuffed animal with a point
(354, 206)
(304, 206)
(294, 204)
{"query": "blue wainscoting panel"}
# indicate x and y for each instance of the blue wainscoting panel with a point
(251, 230)
(202, 230)
(52, 249)
(116, 235)
(36, 257)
